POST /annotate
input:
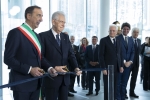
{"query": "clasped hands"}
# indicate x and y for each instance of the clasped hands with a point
(93, 63)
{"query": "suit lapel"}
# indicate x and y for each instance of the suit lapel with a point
(63, 41)
(110, 42)
(123, 41)
(53, 41)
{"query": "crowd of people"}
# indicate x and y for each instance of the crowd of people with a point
(29, 55)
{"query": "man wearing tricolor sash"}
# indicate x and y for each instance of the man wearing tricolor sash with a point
(23, 56)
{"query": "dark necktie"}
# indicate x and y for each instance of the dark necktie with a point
(126, 43)
(94, 47)
(135, 44)
(114, 42)
(57, 39)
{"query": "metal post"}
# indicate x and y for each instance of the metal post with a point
(110, 82)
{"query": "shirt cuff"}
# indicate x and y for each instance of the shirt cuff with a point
(131, 61)
(124, 61)
(49, 69)
(29, 69)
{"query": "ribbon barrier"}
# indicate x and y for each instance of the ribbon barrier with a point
(110, 82)
(110, 79)
(24, 81)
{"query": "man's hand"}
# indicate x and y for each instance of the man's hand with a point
(53, 72)
(78, 72)
(105, 72)
(121, 69)
(36, 71)
(60, 69)
(92, 63)
(127, 64)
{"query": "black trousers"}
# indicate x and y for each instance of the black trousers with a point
(146, 79)
(26, 95)
(97, 79)
(72, 81)
(84, 80)
(134, 71)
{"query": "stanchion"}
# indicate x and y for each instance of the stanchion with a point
(110, 82)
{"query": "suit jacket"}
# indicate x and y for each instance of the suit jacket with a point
(20, 55)
(89, 56)
(127, 52)
(57, 56)
(109, 54)
(137, 52)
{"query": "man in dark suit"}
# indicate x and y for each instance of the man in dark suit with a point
(110, 54)
(23, 56)
(92, 61)
(57, 50)
(128, 55)
(135, 65)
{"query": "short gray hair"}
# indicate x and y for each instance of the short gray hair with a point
(72, 36)
(135, 29)
(56, 14)
(113, 25)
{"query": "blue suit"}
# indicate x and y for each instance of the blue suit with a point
(128, 55)
(56, 55)
(94, 57)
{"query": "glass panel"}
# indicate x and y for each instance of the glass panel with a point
(93, 19)
(45, 8)
(75, 16)
(128, 11)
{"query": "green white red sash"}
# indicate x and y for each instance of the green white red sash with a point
(31, 36)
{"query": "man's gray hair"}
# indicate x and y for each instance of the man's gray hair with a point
(113, 25)
(72, 36)
(56, 14)
(135, 29)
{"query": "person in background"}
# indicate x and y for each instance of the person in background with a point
(82, 48)
(57, 50)
(118, 25)
(135, 66)
(92, 61)
(111, 54)
(142, 60)
(146, 70)
(72, 76)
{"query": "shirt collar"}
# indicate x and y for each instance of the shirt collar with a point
(54, 33)
(28, 25)
(124, 36)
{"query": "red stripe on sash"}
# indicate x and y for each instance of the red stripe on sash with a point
(31, 40)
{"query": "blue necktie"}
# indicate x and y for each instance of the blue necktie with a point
(57, 39)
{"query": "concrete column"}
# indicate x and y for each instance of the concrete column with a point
(104, 22)
(104, 17)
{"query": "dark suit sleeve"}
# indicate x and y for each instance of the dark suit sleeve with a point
(86, 54)
(101, 53)
(44, 62)
(11, 47)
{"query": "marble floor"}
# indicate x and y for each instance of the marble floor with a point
(81, 94)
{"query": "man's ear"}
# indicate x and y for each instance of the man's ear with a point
(53, 22)
(28, 16)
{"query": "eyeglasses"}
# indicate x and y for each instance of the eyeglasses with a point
(62, 22)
